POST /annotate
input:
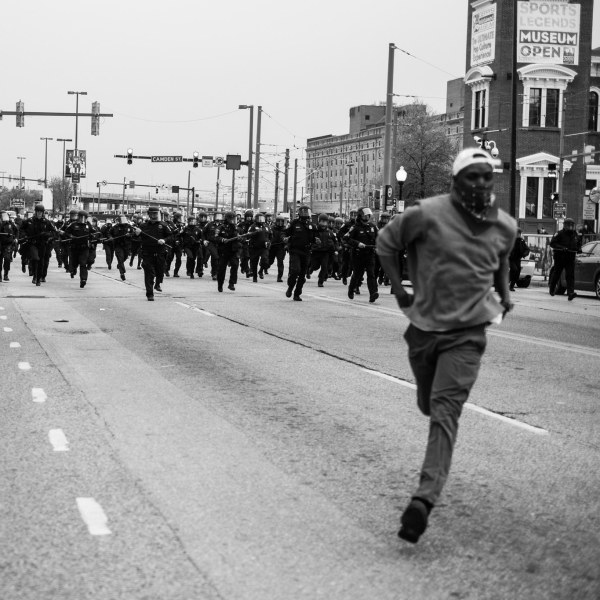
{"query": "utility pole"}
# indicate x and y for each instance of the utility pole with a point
(295, 180)
(285, 181)
(513, 120)
(257, 155)
(123, 203)
(21, 158)
(232, 188)
(217, 195)
(45, 139)
(561, 149)
(387, 151)
(249, 198)
(276, 188)
(187, 204)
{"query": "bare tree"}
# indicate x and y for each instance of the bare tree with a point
(62, 192)
(425, 152)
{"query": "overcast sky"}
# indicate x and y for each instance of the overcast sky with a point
(173, 74)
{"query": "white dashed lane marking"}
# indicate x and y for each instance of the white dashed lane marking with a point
(38, 395)
(24, 366)
(58, 440)
(7, 330)
(196, 309)
(93, 516)
(15, 345)
(473, 407)
(3, 317)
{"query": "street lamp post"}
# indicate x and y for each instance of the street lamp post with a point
(401, 176)
(257, 157)
(64, 141)
(250, 137)
(77, 94)
(21, 158)
(46, 161)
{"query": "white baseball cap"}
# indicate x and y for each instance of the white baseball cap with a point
(472, 156)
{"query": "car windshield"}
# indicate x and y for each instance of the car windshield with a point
(589, 248)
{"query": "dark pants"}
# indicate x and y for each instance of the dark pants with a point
(566, 261)
(277, 252)
(5, 258)
(258, 255)
(298, 267)
(121, 254)
(514, 273)
(153, 264)
(109, 251)
(445, 365)
(37, 259)
(363, 261)
(190, 261)
(213, 251)
(320, 261)
(79, 257)
(231, 260)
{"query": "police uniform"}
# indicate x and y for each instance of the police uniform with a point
(153, 252)
(301, 235)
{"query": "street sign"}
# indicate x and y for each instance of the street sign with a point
(75, 199)
(207, 161)
(560, 210)
(131, 184)
(20, 202)
(167, 159)
(219, 161)
(75, 177)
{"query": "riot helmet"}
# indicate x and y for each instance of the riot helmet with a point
(364, 214)
(304, 212)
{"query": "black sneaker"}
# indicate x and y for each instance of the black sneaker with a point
(279, 280)
(6, 277)
(297, 299)
(157, 287)
(373, 297)
(150, 298)
(320, 284)
(413, 521)
(351, 293)
(231, 287)
(122, 276)
(82, 283)
(220, 288)
(571, 296)
(289, 291)
(175, 274)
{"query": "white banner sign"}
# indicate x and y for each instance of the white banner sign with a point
(483, 35)
(548, 32)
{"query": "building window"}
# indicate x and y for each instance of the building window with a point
(480, 121)
(593, 120)
(535, 107)
(549, 186)
(531, 197)
(552, 107)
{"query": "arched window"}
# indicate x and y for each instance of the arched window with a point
(593, 122)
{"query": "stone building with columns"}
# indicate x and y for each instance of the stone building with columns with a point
(556, 109)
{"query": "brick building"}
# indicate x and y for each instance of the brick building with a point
(558, 85)
(345, 171)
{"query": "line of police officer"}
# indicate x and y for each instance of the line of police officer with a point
(334, 248)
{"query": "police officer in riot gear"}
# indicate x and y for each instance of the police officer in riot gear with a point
(227, 237)
(362, 237)
(300, 236)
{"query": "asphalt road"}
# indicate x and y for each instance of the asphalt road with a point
(242, 445)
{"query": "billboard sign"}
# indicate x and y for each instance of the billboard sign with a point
(483, 35)
(75, 163)
(548, 32)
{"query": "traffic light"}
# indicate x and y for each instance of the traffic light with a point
(196, 157)
(129, 156)
(95, 118)
(157, 189)
(20, 115)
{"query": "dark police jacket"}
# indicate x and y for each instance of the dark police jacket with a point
(152, 231)
(362, 232)
(40, 230)
(224, 232)
(301, 234)
(564, 240)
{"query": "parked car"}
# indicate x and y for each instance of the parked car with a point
(587, 271)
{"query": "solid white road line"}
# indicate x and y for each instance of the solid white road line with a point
(38, 395)
(24, 366)
(195, 309)
(58, 440)
(15, 345)
(7, 330)
(93, 516)
(473, 407)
